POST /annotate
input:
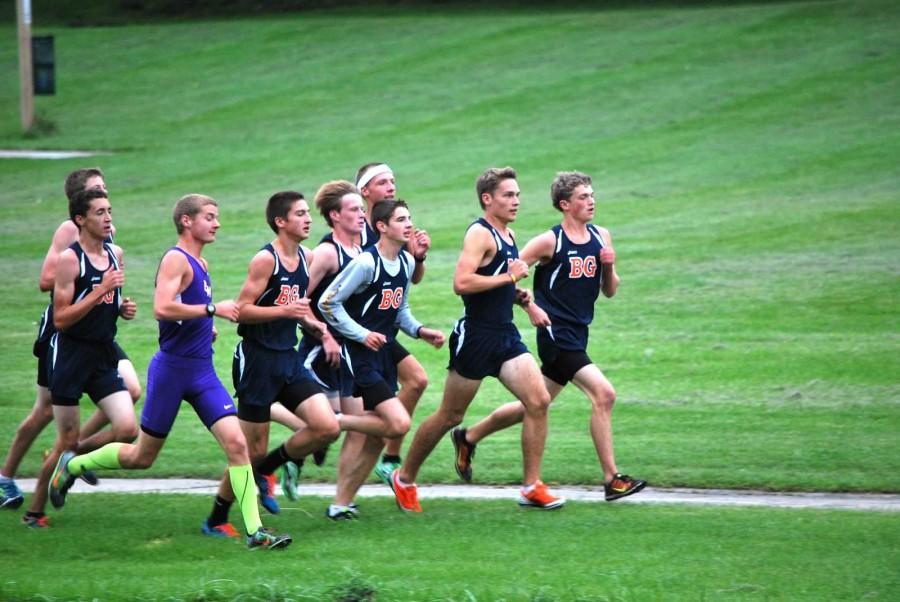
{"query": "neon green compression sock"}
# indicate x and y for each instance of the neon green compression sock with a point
(245, 495)
(105, 458)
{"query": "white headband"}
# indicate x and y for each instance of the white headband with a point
(375, 170)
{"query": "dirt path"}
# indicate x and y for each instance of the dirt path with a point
(881, 502)
(30, 154)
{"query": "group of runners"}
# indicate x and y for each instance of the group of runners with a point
(348, 372)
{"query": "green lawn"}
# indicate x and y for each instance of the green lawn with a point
(453, 552)
(745, 161)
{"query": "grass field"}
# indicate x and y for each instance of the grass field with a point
(586, 552)
(745, 162)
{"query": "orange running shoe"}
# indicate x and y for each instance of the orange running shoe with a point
(223, 530)
(407, 495)
(540, 497)
(36, 522)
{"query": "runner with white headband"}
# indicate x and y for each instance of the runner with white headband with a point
(375, 170)
(375, 182)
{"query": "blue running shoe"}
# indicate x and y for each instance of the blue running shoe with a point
(225, 530)
(10, 495)
(266, 485)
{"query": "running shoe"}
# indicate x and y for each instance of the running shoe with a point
(622, 485)
(36, 522)
(290, 474)
(338, 513)
(407, 496)
(540, 497)
(267, 539)
(61, 480)
(319, 455)
(465, 453)
(89, 477)
(266, 485)
(384, 469)
(10, 495)
(225, 530)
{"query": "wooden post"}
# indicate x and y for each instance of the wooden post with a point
(26, 82)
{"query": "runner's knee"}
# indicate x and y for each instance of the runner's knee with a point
(327, 431)
(604, 397)
(134, 389)
(125, 433)
(236, 449)
(537, 401)
(35, 421)
(397, 426)
(451, 417)
(417, 382)
(42, 416)
(333, 432)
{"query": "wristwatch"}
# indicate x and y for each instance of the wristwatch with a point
(210, 309)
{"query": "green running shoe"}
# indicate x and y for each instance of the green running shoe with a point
(290, 474)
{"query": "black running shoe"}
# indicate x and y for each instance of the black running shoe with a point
(266, 539)
(319, 456)
(89, 477)
(465, 453)
(337, 513)
(622, 485)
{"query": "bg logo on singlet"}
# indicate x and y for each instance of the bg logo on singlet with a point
(288, 294)
(108, 298)
(391, 298)
(580, 267)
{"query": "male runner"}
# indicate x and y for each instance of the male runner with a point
(182, 369)
(266, 366)
(342, 208)
(576, 261)
(87, 303)
(485, 342)
(42, 411)
(376, 183)
(366, 303)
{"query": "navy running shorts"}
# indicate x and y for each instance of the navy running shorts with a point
(478, 351)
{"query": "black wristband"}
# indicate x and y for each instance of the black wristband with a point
(420, 259)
